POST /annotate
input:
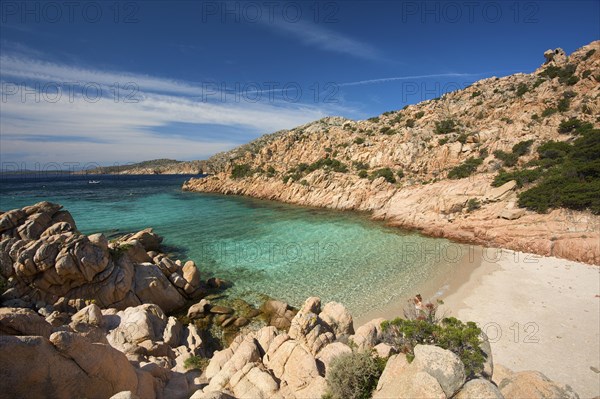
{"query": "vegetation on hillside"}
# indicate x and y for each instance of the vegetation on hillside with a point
(567, 173)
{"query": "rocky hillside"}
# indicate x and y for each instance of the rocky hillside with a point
(154, 167)
(509, 162)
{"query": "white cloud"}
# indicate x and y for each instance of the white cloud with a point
(73, 129)
(325, 39)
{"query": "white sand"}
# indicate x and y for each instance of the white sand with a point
(540, 314)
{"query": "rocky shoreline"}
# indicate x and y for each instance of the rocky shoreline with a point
(84, 317)
(429, 210)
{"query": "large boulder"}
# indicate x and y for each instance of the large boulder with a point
(445, 366)
(91, 314)
(253, 381)
(292, 363)
(479, 388)
(245, 352)
(149, 240)
(400, 380)
(17, 321)
(151, 286)
(66, 366)
(278, 314)
(338, 318)
(534, 385)
(308, 328)
(369, 334)
(135, 325)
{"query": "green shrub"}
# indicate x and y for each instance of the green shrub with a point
(363, 174)
(508, 159)
(549, 111)
(446, 126)
(589, 54)
(241, 170)
(554, 150)
(570, 125)
(465, 169)
(586, 73)
(522, 177)
(538, 82)
(400, 173)
(374, 119)
(354, 375)
(463, 339)
(195, 363)
(473, 204)
(572, 175)
(564, 74)
(419, 114)
(507, 120)
(359, 140)
(462, 138)
(443, 140)
(410, 123)
(563, 105)
(522, 147)
(386, 173)
(475, 94)
(360, 165)
(572, 80)
(328, 149)
(522, 89)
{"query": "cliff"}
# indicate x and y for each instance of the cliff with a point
(462, 166)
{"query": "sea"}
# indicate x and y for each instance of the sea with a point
(263, 248)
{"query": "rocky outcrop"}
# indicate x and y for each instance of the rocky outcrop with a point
(272, 363)
(534, 385)
(47, 262)
(489, 116)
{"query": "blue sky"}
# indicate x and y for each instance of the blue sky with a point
(116, 82)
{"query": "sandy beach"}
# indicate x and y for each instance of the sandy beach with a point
(540, 313)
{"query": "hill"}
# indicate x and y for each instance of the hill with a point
(510, 162)
(156, 166)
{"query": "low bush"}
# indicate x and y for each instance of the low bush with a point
(508, 159)
(446, 126)
(195, 363)
(549, 111)
(410, 123)
(354, 375)
(465, 169)
(241, 170)
(522, 147)
(419, 114)
(522, 177)
(386, 173)
(359, 140)
(363, 174)
(473, 204)
(451, 334)
(522, 89)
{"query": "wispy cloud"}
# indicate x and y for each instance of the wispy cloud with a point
(416, 77)
(75, 129)
(322, 38)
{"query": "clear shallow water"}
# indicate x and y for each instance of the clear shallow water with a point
(284, 251)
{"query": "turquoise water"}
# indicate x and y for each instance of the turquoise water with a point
(287, 252)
